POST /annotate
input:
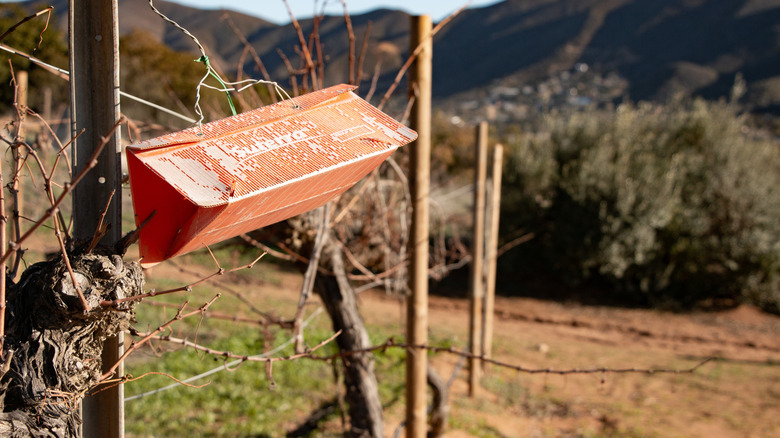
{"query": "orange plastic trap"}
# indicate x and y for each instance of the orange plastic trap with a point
(206, 184)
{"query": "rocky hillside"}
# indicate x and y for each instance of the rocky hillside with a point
(658, 48)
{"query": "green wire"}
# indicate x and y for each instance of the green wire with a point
(205, 60)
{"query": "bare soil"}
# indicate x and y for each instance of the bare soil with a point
(735, 394)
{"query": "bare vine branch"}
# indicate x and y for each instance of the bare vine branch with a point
(311, 272)
(391, 343)
(186, 288)
(179, 316)
(28, 18)
(415, 53)
(309, 353)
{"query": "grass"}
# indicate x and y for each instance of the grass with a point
(241, 402)
(722, 395)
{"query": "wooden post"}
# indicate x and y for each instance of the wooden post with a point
(44, 140)
(94, 65)
(23, 86)
(477, 253)
(491, 257)
(420, 78)
(47, 104)
(22, 81)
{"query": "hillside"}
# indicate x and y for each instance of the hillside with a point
(659, 48)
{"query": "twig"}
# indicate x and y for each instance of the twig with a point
(374, 79)
(302, 42)
(362, 56)
(3, 238)
(315, 41)
(102, 227)
(513, 243)
(290, 71)
(258, 62)
(66, 259)
(179, 316)
(52, 212)
(391, 343)
(231, 364)
(351, 37)
(132, 237)
(185, 288)
(266, 320)
(67, 189)
(249, 305)
(352, 259)
(260, 245)
(311, 272)
(243, 358)
(111, 383)
(154, 293)
(26, 19)
(356, 197)
(414, 54)
(408, 111)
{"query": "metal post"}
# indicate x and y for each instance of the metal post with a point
(477, 253)
(420, 79)
(491, 258)
(94, 66)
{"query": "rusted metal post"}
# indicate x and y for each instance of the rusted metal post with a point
(477, 253)
(94, 85)
(491, 256)
(420, 79)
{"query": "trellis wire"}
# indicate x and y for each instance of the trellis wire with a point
(227, 365)
(65, 74)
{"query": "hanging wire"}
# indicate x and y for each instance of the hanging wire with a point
(226, 87)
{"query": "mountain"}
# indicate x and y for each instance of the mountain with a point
(658, 47)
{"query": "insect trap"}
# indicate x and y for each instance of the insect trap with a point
(209, 183)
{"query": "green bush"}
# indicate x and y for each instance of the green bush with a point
(674, 205)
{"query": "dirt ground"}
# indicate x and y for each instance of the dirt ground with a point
(735, 394)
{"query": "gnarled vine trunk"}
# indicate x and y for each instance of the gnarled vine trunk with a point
(365, 407)
(54, 347)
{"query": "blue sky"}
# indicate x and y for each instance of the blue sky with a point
(275, 10)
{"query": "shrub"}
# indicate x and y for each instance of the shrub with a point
(676, 204)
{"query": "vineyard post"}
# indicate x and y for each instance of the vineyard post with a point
(491, 256)
(420, 79)
(94, 64)
(22, 80)
(477, 254)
